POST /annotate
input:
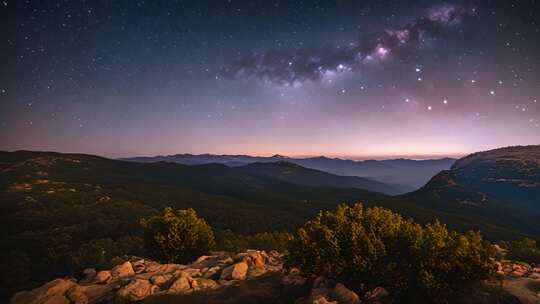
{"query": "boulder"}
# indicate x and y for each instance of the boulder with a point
(200, 283)
(136, 290)
(376, 294)
(123, 270)
(54, 292)
(102, 277)
(101, 293)
(323, 300)
(211, 273)
(237, 271)
(206, 261)
(89, 275)
(226, 261)
(161, 279)
(76, 295)
(320, 288)
(253, 258)
(345, 295)
(180, 284)
(139, 265)
(192, 272)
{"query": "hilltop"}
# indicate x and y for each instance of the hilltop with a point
(501, 185)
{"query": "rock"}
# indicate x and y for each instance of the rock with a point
(319, 289)
(157, 268)
(518, 273)
(254, 272)
(376, 294)
(200, 283)
(293, 279)
(89, 275)
(161, 279)
(344, 295)
(123, 270)
(102, 277)
(101, 293)
(226, 261)
(180, 284)
(192, 272)
(499, 252)
(323, 300)
(136, 290)
(211, 273)
(76, 295)
(237, 271)
(54, 292)
(138, 266)
(253, 258)
(535, 276)
(206, 261)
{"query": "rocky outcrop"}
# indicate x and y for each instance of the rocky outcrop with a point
(514, 269)
(137, 279)
(59, 291)
(328, 291)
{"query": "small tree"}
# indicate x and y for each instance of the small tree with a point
(179, 236)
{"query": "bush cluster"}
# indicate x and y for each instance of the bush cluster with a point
(229, 241)
(377, 246)
(525, 250)
(178, 237)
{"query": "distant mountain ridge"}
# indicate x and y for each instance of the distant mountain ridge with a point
(293, 173)
(403, 175)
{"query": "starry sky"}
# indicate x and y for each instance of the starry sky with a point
(357, 79)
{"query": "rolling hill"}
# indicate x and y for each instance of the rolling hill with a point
(296, 174)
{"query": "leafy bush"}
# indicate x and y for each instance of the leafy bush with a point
(228, 241)
(179, 236)
(525, 250)
(105, 253)
(379, 247)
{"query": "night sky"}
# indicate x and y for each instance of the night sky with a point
(337, 78)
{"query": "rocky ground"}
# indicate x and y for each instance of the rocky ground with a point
(249, 277)
(520, 279)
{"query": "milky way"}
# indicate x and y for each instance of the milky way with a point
(350, 78)
(288, 66)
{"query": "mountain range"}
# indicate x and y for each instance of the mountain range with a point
(400, 175)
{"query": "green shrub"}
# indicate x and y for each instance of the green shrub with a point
(179, 236)
(525, 250)
(95, 254)
(229, 241)
(376, 246)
